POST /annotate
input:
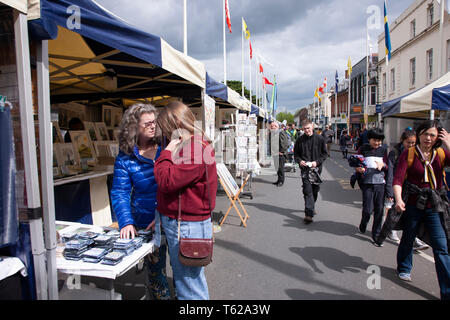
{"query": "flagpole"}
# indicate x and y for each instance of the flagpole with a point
(250, 71)
(185, 27)
(349, 99)
(336, 111)
(242, 58)
(224, 46)
(366, 104)
(441, 39)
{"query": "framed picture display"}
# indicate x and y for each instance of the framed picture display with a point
(65, 154)
(113, 148)
(102, 148)
(116, 134)
(67, 111)
(92, 129)
(57, 136)
(227, 178)
(107, 116)
(116, 115)
(82, 144)
(102, 131)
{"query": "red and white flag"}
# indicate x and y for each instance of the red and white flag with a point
(323, 86)
(251, 50)
(227, 14)
(261, 70)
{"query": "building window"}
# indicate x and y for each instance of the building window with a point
(384, 83)
(413, 29)
(412, 72)
(392, 80)
(373, 95)
(430, 15)
(430, 64)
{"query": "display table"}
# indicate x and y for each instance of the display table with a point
(97, 269)
(83, 176)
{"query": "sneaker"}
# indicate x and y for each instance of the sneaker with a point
(393, 236)
(419, 245)
(404, 276)
(308, 219)
(376, 243)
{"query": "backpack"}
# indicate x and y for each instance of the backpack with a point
(441, 155)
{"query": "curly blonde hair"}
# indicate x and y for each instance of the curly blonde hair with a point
(129, 127)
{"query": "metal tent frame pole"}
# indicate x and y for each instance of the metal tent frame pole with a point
(29, 153)
(46, 156)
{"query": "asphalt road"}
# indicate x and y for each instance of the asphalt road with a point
(279, 257)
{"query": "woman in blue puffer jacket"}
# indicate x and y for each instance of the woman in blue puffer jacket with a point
(133, 193)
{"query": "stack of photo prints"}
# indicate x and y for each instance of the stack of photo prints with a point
(104, 248)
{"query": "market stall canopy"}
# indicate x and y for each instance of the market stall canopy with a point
(254, 110)
(435, 96)
(216, 89)
(236, 100)
(20, 5)
(100, 56)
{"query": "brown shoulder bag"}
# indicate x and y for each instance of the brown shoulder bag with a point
(194, 252)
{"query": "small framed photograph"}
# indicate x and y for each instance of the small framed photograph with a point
(65, 154)
(113, 148)
(82, 144)
(102, 148)
(102, 131)
(92, 129)
(57, 135)
(116, 134)
(107, 116)
(116, 117)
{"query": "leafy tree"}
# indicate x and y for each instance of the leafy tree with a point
(289, 117)
(237, 86)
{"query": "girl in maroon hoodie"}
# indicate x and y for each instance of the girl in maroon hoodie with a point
(181, 169)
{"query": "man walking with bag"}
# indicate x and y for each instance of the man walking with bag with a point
(310, 152)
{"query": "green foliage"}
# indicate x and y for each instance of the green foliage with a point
(237, 86)
(289, 117)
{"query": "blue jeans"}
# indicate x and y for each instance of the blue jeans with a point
(434, 224)
(190, 282)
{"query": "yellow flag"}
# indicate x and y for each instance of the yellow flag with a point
(349, 65)
(245, 29)
(316, 94)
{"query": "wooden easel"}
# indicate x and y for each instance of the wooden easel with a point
(233, 197)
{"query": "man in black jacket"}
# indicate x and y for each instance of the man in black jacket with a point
(310, 152)
(279, 145)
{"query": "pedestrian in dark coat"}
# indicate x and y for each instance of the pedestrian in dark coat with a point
(310, 152)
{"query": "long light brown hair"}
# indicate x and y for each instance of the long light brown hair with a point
(177, 116)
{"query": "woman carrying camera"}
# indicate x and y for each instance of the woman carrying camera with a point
(419, 192)
(187, 180)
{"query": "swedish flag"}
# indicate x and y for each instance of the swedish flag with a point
(387, 36)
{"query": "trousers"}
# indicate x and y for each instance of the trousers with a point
(280, 161)
(310, 194)
(373, 201)
(434, 224)
(190, 282)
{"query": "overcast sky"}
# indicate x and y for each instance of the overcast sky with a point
(305, 41)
